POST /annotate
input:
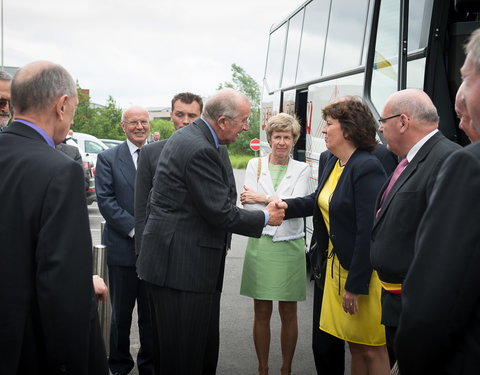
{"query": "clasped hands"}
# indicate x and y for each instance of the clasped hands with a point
(276, 210)
(275, 207)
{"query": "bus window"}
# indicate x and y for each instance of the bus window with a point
(288, 102)
(293, 46)
(419, 16)
(275, 57)
(346, 35)
(416, 73)
(385, 69)
(313, 41)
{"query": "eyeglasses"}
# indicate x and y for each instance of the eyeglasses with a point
(244, 122)
(135, 122)
(4, 102)
(382, 120)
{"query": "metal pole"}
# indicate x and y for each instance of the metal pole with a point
(104, 308)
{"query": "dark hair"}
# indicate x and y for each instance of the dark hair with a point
(188, 98)
(356, 121)
(38, 91)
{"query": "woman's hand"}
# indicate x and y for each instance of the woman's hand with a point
(249, 196)
(350, 302)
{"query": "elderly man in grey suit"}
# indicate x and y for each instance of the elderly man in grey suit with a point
(409, 124)
(186, 108)
(183, 251)
(439, 328)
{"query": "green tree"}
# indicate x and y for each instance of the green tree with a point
(165, 128)
(244, 83)
(83, 120)
(107, 121)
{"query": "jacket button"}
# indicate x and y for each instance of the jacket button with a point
(332, 237)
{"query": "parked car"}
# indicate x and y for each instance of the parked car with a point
(89, 170)
(90, 145)
(111, 142)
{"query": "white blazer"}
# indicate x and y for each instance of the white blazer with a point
(293, 184)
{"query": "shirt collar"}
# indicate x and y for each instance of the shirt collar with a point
(131, 147)
(215, 138)
(413, 151)
(39, 130)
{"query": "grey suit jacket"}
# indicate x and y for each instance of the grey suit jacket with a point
(146, 167)
(395, 227)
(114, 183)
(184, 240)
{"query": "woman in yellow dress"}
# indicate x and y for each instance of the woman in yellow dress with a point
(343, 212)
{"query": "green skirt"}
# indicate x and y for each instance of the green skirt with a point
(274, 271)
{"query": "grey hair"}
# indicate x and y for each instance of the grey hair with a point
(473, 48)
(283, 122)
(5, 76)
(224, 103)
(38, 91)
(419, 110)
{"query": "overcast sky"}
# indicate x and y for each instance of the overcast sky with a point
(143, 51)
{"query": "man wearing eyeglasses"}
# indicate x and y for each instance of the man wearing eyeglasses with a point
(5, 110)
(114, 182)
(409, 124)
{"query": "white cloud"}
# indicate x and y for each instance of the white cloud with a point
(143, 51)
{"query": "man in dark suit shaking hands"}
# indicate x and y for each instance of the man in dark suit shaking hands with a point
(115, 181)
(48, 314)
(182, 257)
(410, 127)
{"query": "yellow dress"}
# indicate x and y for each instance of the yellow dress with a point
(363, 327)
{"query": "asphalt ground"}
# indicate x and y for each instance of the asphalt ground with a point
(237, 352)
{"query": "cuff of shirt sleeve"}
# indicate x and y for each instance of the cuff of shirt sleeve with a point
(267, 217)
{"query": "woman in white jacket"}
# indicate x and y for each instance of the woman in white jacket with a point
(274, 267)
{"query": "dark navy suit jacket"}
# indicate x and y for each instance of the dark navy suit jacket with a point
(114, 184)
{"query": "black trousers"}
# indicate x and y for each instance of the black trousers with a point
(187, 330)
(328, 350)
(125, 289)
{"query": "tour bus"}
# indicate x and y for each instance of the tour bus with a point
(327, 49)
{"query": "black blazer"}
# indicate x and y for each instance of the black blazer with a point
(191, 212)
(439, 330)
(146, 167)
(351, 215)
(46, 289)
(114, 184)
(395, 227)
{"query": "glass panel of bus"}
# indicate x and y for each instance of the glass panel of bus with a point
(385, 69)
(292, 49)
(312, 46)
(419, 17)
(346, 35)
(276, 49)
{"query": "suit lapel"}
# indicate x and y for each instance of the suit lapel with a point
(127, 168)
(405, 176)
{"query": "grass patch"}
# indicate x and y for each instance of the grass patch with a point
(240, 161)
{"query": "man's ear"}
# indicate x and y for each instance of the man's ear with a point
(222, 122)
(60, 105)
